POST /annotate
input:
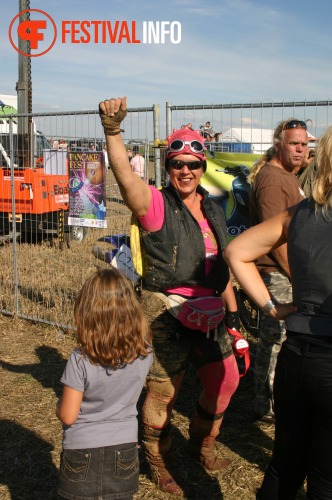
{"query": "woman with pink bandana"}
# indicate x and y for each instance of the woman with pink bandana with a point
(183, 234)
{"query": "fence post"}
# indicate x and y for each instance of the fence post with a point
(168, 118)
(61, 234)
(156, 137)
(12, 181)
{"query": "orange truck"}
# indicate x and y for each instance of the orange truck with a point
(34, 199)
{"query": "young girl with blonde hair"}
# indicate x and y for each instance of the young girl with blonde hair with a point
(102, 382)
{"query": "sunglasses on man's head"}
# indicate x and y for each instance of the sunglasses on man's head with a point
(179, 145)
(294, 124)
(192, 165)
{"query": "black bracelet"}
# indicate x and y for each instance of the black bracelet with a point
(232, 319)
(114, 132)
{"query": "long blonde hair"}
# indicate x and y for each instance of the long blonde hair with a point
(111, 327)
(267, 156)
(271, 152)
(322, 190)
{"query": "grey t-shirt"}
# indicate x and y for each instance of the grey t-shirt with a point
(108, 414)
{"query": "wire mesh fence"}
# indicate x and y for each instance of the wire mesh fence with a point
(247, 127)
(44, 261)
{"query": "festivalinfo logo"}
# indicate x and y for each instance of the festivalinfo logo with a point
(39, 29)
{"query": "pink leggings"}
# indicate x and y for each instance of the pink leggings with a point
(219, 380)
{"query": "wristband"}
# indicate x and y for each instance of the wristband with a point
(113, 132)
(232, 320)
(270, 304)
(112, 123)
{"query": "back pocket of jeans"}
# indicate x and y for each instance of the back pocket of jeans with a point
(126, 463)
(75, 464)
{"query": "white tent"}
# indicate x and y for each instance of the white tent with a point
(259, 139)
(9, 100)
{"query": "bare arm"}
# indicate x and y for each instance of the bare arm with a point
(68, 406)
(242, 252)
(280, 254)
(232, 316)
(135, 192)
(271, 201)
(229, 298)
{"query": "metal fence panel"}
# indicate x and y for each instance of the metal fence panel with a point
(43, 265)
(41, 274)
(248, 127)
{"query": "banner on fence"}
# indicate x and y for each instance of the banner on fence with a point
(123, 260)
(87, 189)
(226, 179)
(119, 255)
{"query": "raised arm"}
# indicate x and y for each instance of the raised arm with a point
(242, 252)
(135, 192)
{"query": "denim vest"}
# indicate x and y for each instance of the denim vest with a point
(175, 255)
(310, 262)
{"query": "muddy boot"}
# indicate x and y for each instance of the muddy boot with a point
(203, 432)
(157, 443)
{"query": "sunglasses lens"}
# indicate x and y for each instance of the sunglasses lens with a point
(176, 146)
(179, 164)
(179, 145)
(194, 165)
(196, 146)
(294, 124)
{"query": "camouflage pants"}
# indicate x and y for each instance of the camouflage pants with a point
(271, 337)
(175, 345)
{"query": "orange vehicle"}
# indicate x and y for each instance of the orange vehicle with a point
(38, 200)
(40, 193)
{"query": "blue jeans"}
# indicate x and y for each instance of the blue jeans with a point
(109, 473)
(303, 431)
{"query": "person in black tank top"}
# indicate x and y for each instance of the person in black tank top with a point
(303, 379)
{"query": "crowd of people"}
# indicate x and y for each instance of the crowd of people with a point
(184, 314)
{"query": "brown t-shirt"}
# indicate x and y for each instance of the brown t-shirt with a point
(274, 190)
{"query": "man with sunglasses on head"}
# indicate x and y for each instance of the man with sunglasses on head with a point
(275, 188)
(183, 234)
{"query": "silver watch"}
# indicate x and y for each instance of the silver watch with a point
(270, 304)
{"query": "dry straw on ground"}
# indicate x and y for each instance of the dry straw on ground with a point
(32, 358)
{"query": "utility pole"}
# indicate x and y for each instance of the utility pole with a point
(25, 133)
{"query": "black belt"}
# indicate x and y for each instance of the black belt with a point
(307, 346)
(309, 308)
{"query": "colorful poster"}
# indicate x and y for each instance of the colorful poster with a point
(87, 189)
(226, 179)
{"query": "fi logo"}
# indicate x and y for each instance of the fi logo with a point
(35, 28)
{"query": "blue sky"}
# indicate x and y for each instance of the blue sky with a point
(231, 51)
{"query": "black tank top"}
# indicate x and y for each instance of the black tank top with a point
(310, 262)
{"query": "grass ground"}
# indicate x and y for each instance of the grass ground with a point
(32, 358)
